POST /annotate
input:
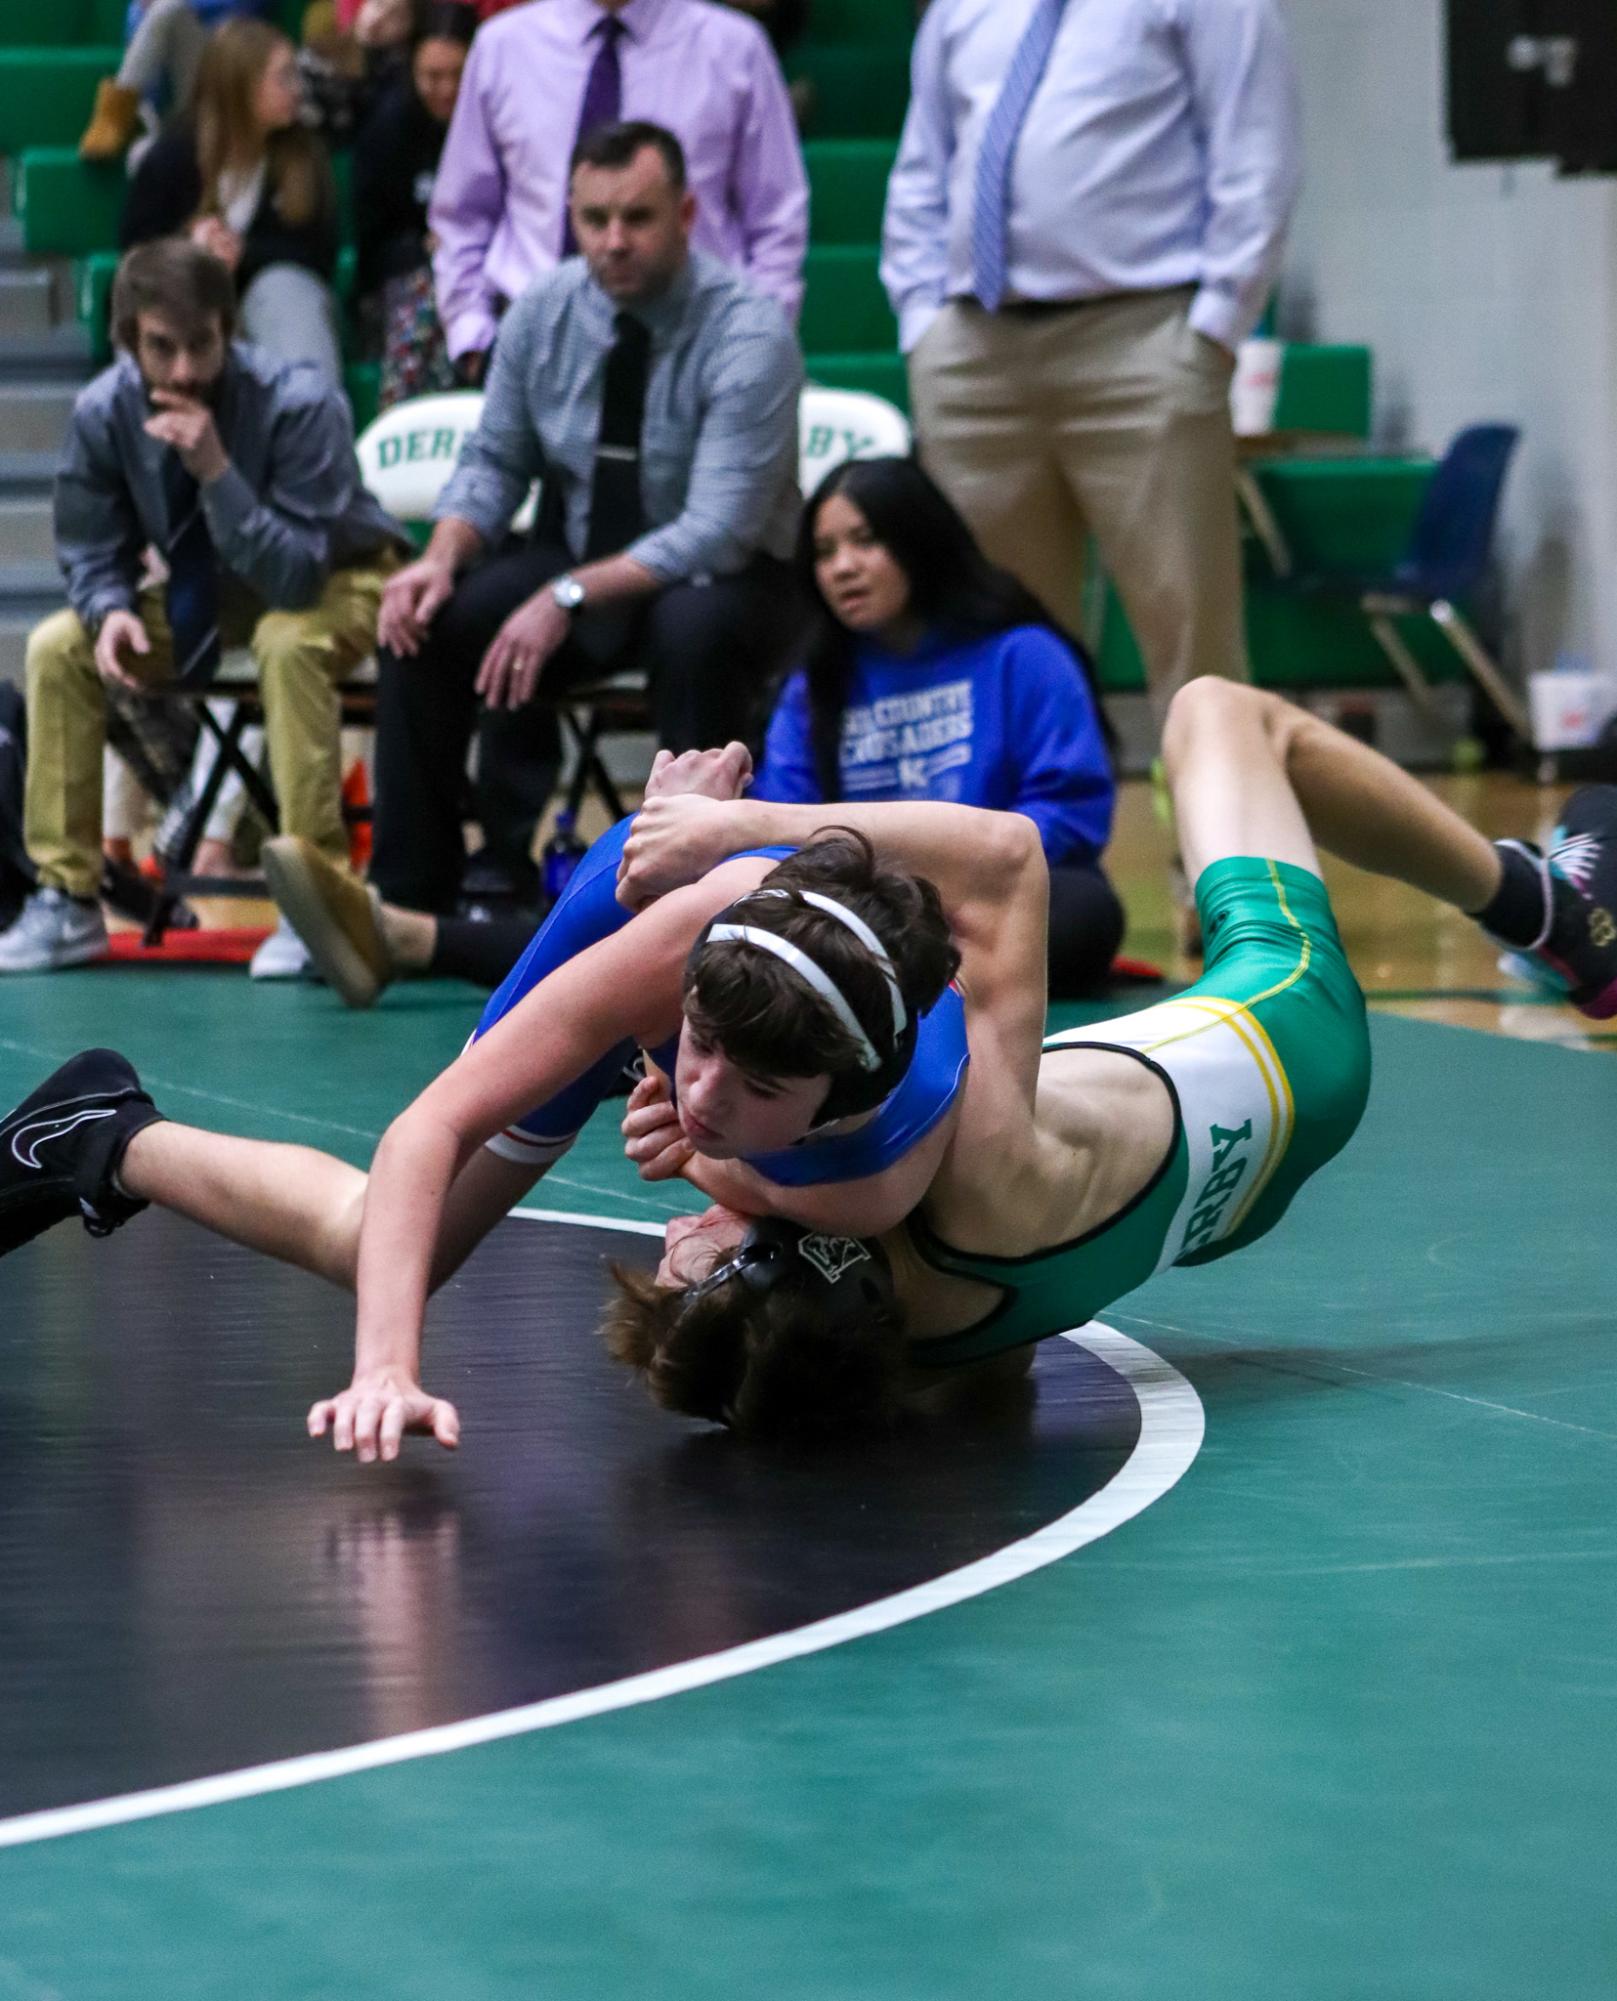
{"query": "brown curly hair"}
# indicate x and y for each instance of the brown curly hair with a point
(767, 1366)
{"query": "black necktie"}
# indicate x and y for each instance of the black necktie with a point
(616, 513)
(193, 578)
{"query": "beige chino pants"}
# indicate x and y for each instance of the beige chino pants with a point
(1109, 418)
(301, 657)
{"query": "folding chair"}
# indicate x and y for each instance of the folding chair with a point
(1447, 556)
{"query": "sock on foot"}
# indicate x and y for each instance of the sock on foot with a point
(1522, 909)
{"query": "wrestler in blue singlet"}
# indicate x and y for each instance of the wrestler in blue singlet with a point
(587, 911)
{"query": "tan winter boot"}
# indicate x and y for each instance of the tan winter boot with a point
(113, 123)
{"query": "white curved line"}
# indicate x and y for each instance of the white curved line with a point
(1171, 1427)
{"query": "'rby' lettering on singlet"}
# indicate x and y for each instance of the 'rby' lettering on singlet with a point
(1267, 1061)
(587, 911)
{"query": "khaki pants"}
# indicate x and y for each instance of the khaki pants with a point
(301, 656)
(1110, 418)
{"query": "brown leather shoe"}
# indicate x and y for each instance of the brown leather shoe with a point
(334, 914)
(113, 123)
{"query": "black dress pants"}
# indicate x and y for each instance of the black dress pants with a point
(709, 650)
(1086, 928)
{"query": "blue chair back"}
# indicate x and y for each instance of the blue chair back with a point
(1452, 539)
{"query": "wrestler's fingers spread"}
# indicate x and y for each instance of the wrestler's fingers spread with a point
(319, 1417)
(446, 1424)
(366, 1419)
(391, 1431)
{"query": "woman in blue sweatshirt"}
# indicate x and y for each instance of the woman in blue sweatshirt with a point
(930, 674)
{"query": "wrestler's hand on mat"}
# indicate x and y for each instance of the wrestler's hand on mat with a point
(411, 599)
(717, 774)
(371, 1416)
(511, 667)
(651, 1132)
(674, 840)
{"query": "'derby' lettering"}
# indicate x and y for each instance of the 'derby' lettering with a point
(1231, 1159)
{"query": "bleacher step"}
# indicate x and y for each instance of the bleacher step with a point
(27, 303)
(26, 532)
(14, 631)
(57, 354)
(34, 415)
(28, 593)
(26, 473)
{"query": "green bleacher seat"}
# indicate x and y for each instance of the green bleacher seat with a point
(848, 183)
(92, 299)
(879, 374)
(878, 21)
(1324, 388)
(63, 24)
(859, 92)
(67, 208)
(46, 94)
(362, 380)
(844, 306)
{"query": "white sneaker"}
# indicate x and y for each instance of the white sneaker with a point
(53, 930)
(282, 956)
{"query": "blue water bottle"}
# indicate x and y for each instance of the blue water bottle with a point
(562, 854)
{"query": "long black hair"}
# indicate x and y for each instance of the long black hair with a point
(955, 591)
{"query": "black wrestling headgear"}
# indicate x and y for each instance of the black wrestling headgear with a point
(845, 1279)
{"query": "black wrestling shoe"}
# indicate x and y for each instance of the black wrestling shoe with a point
(60, 1149)
(1579, 956)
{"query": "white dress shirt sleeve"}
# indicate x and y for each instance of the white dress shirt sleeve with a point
(1245, 90)
(915, 227)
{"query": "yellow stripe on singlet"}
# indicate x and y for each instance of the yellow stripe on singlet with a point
(1238, 1015)
(1254, 1038)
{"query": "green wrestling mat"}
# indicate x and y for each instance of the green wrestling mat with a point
(1330, 1719)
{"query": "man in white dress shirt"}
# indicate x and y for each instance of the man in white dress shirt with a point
(1084, 221)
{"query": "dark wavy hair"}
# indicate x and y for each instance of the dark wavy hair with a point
(767, 1368)
(956, 592)
(767, 1021)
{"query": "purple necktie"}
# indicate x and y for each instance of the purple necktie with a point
(603, 102)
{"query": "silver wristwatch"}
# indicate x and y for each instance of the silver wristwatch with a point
(568, 593)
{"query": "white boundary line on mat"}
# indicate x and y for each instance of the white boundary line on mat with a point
(1171, 1429)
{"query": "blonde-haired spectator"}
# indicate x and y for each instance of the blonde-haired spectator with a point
(247, 181)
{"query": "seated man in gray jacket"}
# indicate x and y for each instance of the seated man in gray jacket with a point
(241, 474)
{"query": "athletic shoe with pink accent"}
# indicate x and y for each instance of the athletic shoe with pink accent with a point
(60, 1149)
(1578, 957)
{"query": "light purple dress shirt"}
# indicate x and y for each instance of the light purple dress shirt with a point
(1162, 148)
(705, 72)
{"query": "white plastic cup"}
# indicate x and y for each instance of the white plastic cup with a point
(1255, 389)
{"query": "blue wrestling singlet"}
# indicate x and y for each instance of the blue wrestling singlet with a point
(588, 910)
